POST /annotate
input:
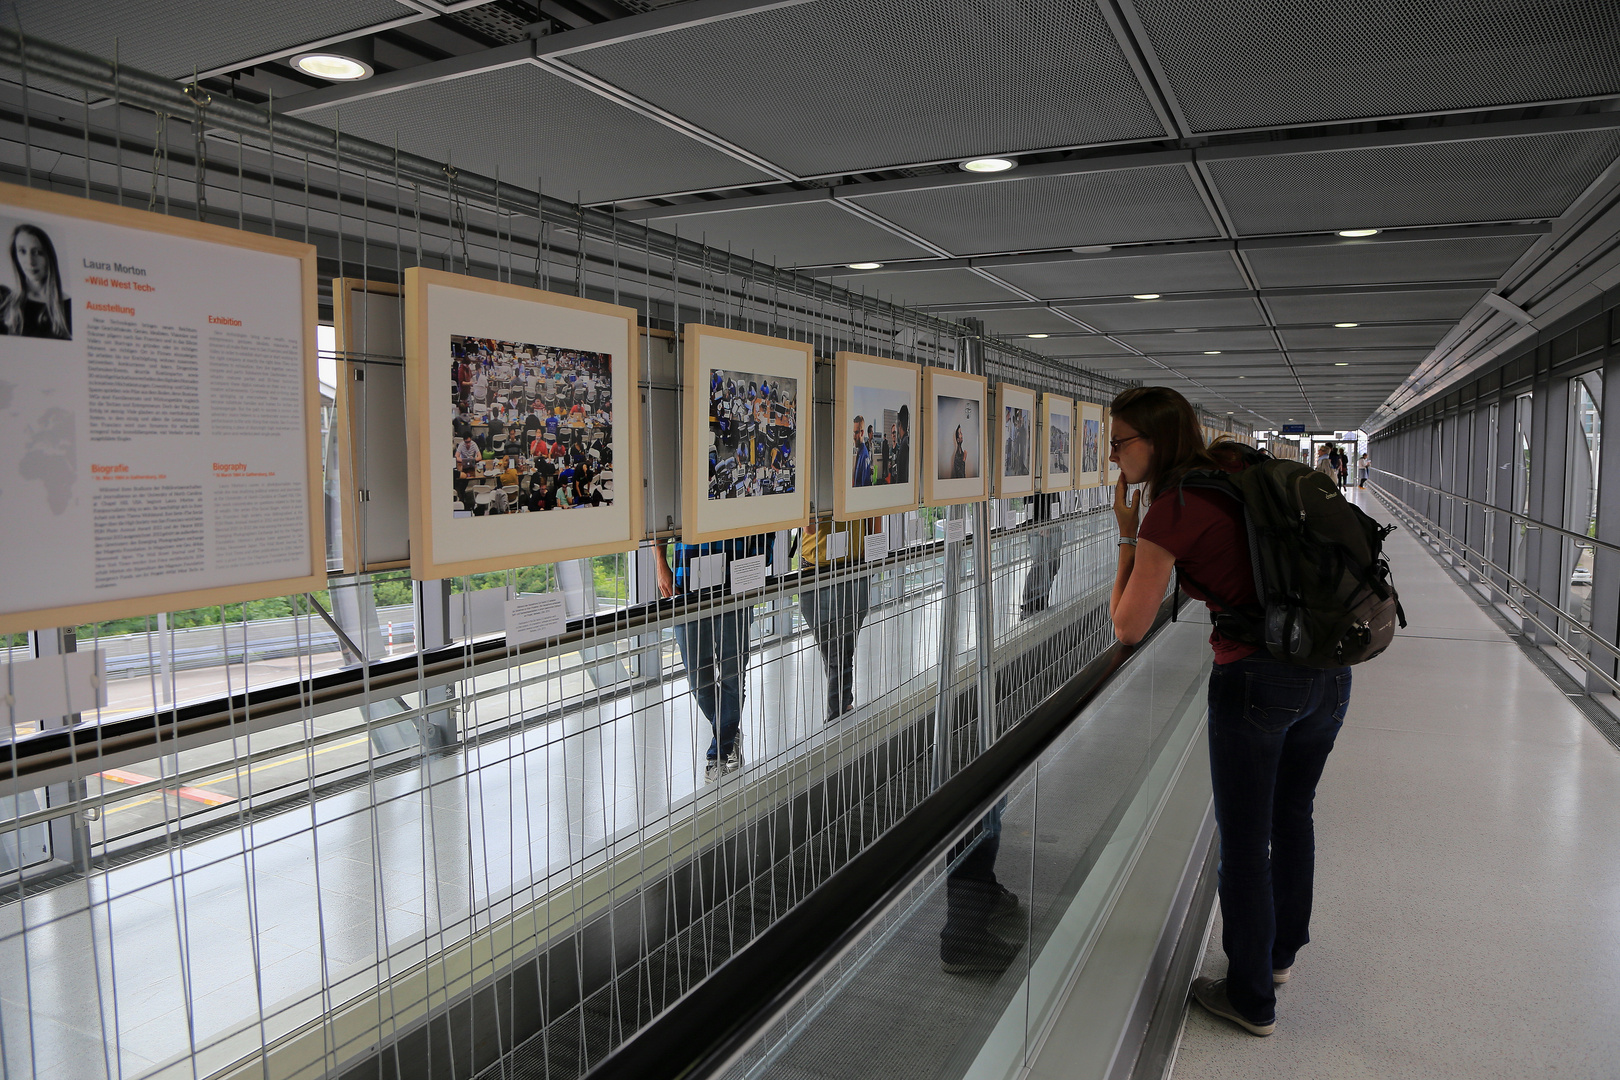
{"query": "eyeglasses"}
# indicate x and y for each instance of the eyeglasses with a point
(1115, 444)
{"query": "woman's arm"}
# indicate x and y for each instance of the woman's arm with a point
(1143, 574)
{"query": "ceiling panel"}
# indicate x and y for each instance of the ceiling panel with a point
(1363, 337)
(1528, 177)
(1021, 321)
(1410, 358)
(1292, 62)
(1090, 345)
(178, 37)
(802, 234)
(846, 85)
(1386, 261)
(1197, 343)
(1374, 307)
(1156, 203)
(1124, 274)
(1167, 314)
(955, 286)
(534, 127)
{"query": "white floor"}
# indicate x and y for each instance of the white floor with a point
(1467, 917)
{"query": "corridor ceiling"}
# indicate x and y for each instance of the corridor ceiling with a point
(1206, 155)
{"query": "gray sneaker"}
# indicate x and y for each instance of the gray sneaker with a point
(734, 760)
(1211, 994)
(712, 771)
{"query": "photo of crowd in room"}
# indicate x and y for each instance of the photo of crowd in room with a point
(753, 433)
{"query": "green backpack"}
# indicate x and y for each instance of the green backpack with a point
(1326, 598)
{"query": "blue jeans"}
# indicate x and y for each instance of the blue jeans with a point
(714, 651)
(1271, 728)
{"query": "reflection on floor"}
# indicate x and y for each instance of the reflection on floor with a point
(1468, 872)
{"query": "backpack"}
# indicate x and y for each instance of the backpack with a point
(1326, 598)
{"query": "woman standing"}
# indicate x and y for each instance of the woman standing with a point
(38, 307)
(1271, 725)
(1364, 469)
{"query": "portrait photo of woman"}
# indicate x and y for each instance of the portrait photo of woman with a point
(36, 305)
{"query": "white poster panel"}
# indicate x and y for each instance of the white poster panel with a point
(874, 431)
(158, 414)
(1057, 437)
(748, 443)
(1015, 427)
(525, 425)
(1092, 444)
(954, 438)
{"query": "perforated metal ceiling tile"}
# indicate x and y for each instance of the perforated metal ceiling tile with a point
(1364, 337)
(1466, 259)
(177, 37)
(533, 124)
(1374, 307)
(1165, 314)
(1154, 344)
(803, 234)
(928, 287)
(847, 85)
(1256, 63)
(1086, 346)
(1155, 203)
(1410, 358)
(1021, 321)
(1192, 271)
(1528, 177)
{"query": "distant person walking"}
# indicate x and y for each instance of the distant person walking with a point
(1364, 468)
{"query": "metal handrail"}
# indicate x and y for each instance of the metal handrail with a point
(1462, 552)
(1530, 522)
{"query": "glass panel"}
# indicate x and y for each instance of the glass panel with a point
(1586, 435)
(1521, 481)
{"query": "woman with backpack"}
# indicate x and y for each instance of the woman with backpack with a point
(1271, 724)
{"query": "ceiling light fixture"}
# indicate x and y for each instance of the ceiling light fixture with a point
(1093, 249)
(989, 164)
(865, 266)
(1341, 363)
(1039, 336)
(1145, 296)
(1345, 325)
(1355, 233)
(348, 62)
(1212, 352)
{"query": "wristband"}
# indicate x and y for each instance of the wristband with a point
(1122, 541)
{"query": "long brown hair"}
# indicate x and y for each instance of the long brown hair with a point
(1169, 422)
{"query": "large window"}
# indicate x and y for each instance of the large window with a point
(1585, 436)
(1520, 503)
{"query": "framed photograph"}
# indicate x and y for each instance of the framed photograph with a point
(524, 424)
(954, 437)
(374, 499)
(875, 420)
(1110, 470)
(1092, 442)
(748, 401)
(159, 414)
(1015, 428)
(1057, 437)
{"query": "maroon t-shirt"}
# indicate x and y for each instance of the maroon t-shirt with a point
(1204, 530)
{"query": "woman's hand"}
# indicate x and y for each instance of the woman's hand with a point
(1127, 508)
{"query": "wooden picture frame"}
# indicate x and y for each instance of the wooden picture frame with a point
(942, 392)
(1015, 410)
(1057, 443)
(864, 385)
(130, 268)
(359, 356)
(1111, 471)
(439, 306)
(1091, 445)
(720, 503)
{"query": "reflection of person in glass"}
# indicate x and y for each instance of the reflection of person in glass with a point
(959, 459)
(37, 308)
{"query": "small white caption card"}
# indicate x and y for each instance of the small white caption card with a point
(837, 545)
(707, 571)
(956, 531)
(53, 686)
(747, 574)
(531, 618)
(877, 547)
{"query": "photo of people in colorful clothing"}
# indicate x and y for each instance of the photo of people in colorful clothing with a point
(753, 434)
(881, 430)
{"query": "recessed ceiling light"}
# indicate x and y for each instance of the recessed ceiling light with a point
(1353, 233)
(1212, 352)
(1093, 249)
(989, 164)
(1039, 336)
(1145, 296)
(865, 266)
(347, 62)
(1187, 330)
(1346, 325)
(1341, 363)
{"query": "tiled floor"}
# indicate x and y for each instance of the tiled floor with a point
(1467, 916)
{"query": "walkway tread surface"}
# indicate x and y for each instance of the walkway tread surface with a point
(1467, 918)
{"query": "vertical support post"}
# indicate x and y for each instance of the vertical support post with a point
(69, 835)
(972, 360)
(432, 600)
